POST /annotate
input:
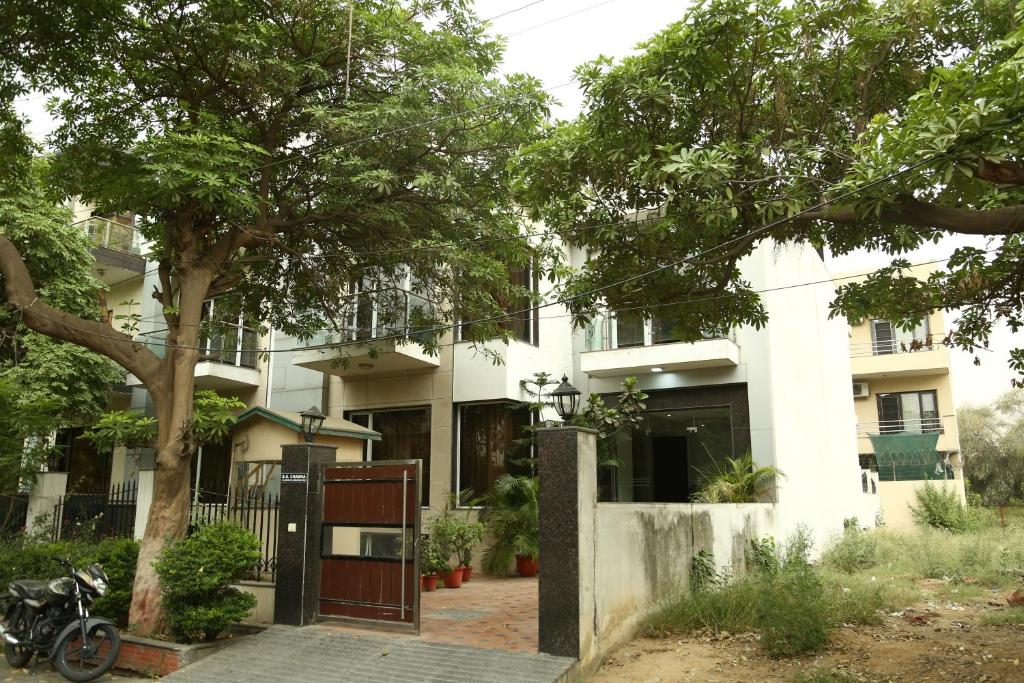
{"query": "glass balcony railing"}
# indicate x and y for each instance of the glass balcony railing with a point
(236, 345)
(366, 320)
(610, 331)
(109, 234)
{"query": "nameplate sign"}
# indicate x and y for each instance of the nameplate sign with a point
(293, 478)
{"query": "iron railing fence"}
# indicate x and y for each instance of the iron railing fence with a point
(13, 514)
(254, 511)
(96, 515)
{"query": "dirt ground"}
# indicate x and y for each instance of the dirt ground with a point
(930, 641)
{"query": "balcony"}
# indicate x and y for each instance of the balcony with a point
(944, 425)
(892, 358)
(363, 349)
(623, 347)
(228, 360)
(116, 247)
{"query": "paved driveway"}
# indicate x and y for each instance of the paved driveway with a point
(315, 654)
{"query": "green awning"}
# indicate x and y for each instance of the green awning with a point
(905, 456)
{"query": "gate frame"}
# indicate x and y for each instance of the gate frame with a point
(382, 624)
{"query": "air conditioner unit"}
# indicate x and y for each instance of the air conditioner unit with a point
(860, 390)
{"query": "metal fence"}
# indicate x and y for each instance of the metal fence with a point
(96, 515)
(255, 512)
(13, 513)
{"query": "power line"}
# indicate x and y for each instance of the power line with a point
(564, 16)
(513, 11)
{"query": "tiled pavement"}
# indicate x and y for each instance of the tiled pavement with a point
(315, 654)
(499, 614)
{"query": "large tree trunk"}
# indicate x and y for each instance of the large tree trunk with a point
(175, 445)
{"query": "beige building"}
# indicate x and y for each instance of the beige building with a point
(902, 385)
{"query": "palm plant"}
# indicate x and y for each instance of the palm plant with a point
(738, 481)
(511, 515)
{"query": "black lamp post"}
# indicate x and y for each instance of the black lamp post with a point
(567, 400)
(312, 421)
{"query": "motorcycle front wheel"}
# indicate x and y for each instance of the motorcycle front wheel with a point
(18, 655)
(83, 659)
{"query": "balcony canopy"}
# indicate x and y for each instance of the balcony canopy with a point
(909, 456)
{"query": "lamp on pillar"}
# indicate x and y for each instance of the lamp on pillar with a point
(312, 421)
(567, 400)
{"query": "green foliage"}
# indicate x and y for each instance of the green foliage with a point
(746, 113)
(608, 422)
(738, 481)
(763, 555)
(213, 416)
(445, 535)
(510, 513)
(853, 551)
(432, 561)
(941, 508)
(992, 446)
(796, 610)
(704, 574)
(196, 574)
(29, 558)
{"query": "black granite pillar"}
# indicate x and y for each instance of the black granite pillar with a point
(568, 494)
(298, 532)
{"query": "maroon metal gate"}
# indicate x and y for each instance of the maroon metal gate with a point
(369, 564)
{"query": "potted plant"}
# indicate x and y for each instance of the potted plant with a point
(511, 516)
(467, 536)
(430, 564)
(444, 534)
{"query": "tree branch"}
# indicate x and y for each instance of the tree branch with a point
(1007, 220)
(91, 334)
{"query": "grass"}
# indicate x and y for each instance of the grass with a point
(861, 577)
(1010, 617)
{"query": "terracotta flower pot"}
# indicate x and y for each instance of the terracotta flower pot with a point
(428, 582)
(453, 579)
(527, 566)
(467, 573)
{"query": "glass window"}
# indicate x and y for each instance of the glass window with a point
(524, 324)
(669, 456)
(629, 331)
(887, 339)
(663, 331)
(491, 443)
(258, 479)
(405, 435)
(909, 411)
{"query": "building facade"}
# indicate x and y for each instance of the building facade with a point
(902, 385)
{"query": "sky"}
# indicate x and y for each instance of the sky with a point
(550, 38)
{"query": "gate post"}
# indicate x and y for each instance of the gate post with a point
(567, 458)
(47, 488)
(298, 532)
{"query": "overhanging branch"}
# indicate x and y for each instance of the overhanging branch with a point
(1008, 220)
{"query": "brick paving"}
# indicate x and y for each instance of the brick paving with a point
(487, 612)
(319, 654)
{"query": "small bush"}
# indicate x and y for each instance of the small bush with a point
(704, 573)
(196, 574)
(763, 555)
(118, 557)
(795, 612)
(941, 508)
(853, 551)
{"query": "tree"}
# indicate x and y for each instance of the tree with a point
(276, 164)
(992, 441)
(877, 125)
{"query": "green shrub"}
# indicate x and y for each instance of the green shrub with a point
(196, 574)
(941, 508)
(118, 557)
(733, 608)
(27, 557)
(853, 551)
(763, 555)
(704, 574)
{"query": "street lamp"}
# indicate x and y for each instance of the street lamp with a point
(567, 400)
(312, 421)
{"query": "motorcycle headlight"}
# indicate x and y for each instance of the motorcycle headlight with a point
(100, 585)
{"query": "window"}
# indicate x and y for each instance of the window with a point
(668, 457)
(405, 435)
(887, 339)
(258, 479)
(487, 446)
(910, 411)
(524, 324)
(230, 341)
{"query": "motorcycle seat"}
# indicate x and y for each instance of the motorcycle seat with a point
(29, 589)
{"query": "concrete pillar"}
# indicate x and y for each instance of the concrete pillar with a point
(567, 459)
(335, 397)
(143, 500)
(298, 532)
(47, 488)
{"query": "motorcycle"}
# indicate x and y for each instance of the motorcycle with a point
(50, 620)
